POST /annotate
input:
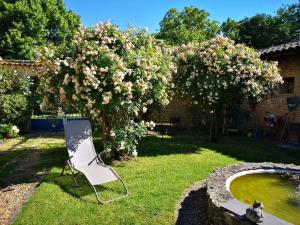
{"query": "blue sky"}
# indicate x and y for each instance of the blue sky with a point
(148, 13)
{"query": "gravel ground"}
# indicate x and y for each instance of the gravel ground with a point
(192, 207)
(18, 185)
(11, 200)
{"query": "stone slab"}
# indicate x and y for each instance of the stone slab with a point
(239, 208)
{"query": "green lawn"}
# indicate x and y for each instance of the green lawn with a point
(155, 179)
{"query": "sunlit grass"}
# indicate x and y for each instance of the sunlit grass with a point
(156, 179)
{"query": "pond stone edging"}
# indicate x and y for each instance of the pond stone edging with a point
(218, 195)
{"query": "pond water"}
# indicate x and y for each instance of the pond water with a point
(279, 196)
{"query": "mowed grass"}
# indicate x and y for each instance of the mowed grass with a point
(18, 148)
(155, 179)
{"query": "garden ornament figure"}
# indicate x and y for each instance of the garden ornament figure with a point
(255, 213)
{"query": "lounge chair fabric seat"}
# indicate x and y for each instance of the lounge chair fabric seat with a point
(97, 174)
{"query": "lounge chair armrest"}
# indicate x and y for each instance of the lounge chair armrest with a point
(99, 157)
(104, 151)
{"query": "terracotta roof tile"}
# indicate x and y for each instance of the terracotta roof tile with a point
(278, 48)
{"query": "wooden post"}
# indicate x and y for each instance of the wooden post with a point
(285, 125)
(211, 128)
(224, 122)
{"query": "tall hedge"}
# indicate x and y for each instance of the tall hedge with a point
(15, 107)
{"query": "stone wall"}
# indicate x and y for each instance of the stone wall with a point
(190, 115)
(25, 67)
(289, 67)
(219, 216)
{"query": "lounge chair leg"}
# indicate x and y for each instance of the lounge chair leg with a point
(103, 202)
(73, 175)
(67, 162)
(63, 169)
(76, 185)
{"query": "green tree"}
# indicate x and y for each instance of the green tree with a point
(261, 30)
(288, 20)
(190, 25)
(231, 29)
(26, 24)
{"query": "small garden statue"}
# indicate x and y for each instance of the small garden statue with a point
(255, 213)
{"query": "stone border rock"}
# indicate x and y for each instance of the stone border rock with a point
(217, 193)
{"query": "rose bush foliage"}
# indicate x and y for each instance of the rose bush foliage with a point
(218, 72)
(112, 77)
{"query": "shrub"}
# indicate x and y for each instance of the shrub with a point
(8, 131)
(111, 77)
(14, 97)
(218, 72)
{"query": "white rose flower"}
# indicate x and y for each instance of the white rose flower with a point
(134, 153)
(122, 145)
(112, 134)
(106, 97)
(60, 112)
(15, 129)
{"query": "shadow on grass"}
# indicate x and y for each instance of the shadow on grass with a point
(52, 155)
(253, 150)
(240, 148)
(244, 149)
(84, 191)
(29, 165)
(155, 146)
(151, 146)
(21, 141)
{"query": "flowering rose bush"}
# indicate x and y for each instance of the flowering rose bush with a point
(111, 77)
(218, 72)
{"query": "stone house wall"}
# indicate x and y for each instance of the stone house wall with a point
(190, 115)
(289, 67)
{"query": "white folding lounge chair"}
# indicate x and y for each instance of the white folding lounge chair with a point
(83, 157)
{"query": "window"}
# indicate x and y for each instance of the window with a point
(287, 86)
